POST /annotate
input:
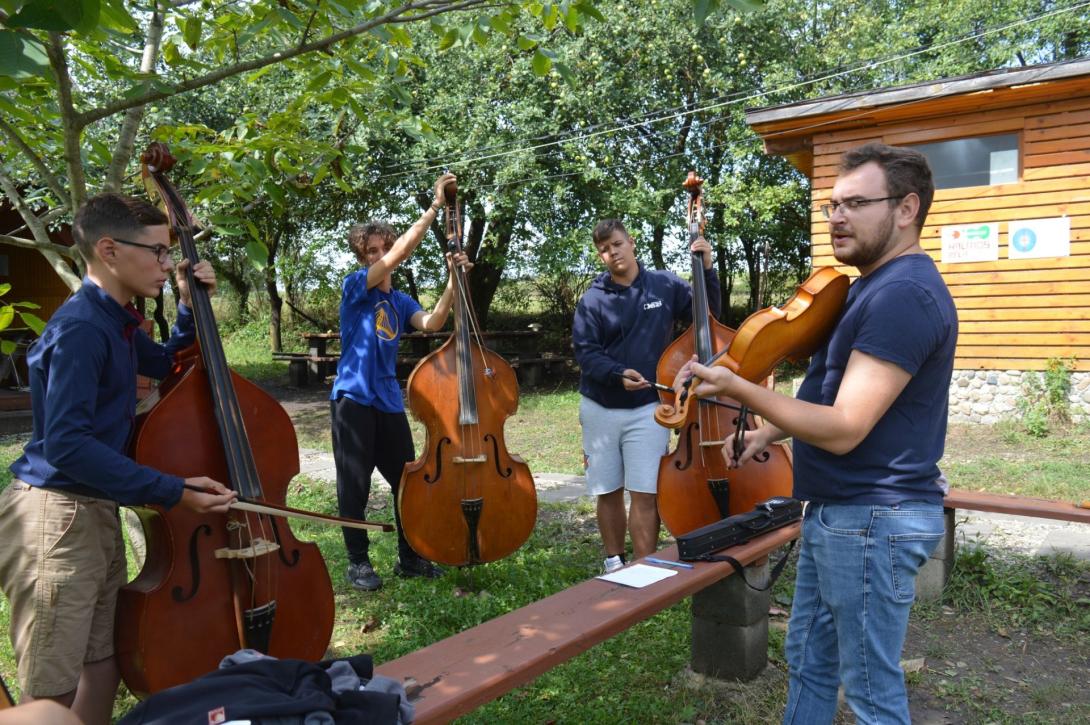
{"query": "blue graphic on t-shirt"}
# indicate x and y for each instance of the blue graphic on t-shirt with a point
(1024, 240)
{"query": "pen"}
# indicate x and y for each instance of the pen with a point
(679, 564)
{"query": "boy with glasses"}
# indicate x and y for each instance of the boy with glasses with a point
(869, 426)
(63, 560)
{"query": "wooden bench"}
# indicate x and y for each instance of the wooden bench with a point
(302, 366)
(533, 371)
(936, 572)
(462, 672)
(1016, 505)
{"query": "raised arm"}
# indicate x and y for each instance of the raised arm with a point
(434, 320)
(407, 242)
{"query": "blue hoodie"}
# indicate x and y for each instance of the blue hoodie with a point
(619, 327)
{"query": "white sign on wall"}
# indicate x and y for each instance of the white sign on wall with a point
(1039, 238)
(970, 243)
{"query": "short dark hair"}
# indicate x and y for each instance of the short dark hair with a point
(606, 227)
(907, 172)
(112, 215)
(358, 235)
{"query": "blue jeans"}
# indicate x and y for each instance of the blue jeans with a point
(854, 589)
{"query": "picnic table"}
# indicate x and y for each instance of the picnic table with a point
(518, 347)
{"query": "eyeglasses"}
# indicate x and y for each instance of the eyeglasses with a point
(162, 253)
(853, 204)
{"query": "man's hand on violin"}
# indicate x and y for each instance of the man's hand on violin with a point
(700, 244)
(753, 442)
(440, 185)
(632, 380)
(713, 380)
(204, 274)
(217, 500)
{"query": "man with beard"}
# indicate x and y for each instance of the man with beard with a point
(869, 426)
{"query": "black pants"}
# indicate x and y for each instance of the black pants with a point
(363, 438)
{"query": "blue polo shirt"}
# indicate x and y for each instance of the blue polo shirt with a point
(902, 313)
(83, 395)
(371, 325)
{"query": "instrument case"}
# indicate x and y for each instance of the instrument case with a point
(768, 515)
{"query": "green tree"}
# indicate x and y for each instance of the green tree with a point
(78, 78)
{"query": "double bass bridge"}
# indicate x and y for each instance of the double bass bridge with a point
(258, 547)
(475, 459)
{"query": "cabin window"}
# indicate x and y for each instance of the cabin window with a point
(981, 161)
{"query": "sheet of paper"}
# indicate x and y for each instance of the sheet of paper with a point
(638, 575)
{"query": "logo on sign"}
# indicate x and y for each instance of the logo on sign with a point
(1024, 240)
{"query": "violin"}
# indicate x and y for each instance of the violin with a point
(466, 500)
(212, 584)
(769, 336)
(695, 485)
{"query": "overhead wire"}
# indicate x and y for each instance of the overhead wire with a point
(736, 98)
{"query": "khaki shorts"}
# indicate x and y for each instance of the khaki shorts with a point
(61, 565)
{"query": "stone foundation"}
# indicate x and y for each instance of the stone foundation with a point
(989, 396)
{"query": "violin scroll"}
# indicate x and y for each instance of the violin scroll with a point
(769, 336)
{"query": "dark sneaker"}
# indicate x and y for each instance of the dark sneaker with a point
(417, 567)
(363, 576)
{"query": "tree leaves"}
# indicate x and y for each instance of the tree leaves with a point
(57, 15)
(22, 56)
(191, 31)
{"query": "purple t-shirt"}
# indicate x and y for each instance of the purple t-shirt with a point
(371, 324)
(902, 313)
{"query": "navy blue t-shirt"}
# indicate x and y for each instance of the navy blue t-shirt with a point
(902, 313)
(371, 325)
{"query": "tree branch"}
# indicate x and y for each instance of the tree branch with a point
(51, 181)
(392, 17)
(127, 136)
(69, 120)
(41, 241)
(34, 244)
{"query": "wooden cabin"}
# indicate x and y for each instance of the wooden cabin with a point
(32, 279)
(1010, 223)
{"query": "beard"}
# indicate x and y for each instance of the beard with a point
(868, 248)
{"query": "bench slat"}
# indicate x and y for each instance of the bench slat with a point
(1015, 505)
(466, 670)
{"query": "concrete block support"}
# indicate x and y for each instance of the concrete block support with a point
(730, 627)
(934, 574)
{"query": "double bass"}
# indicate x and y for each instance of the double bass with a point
(215, 583)
(466, 500)
(695, 485)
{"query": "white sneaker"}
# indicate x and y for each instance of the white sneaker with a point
(612, 564)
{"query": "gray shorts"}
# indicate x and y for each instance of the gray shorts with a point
(621, 446)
